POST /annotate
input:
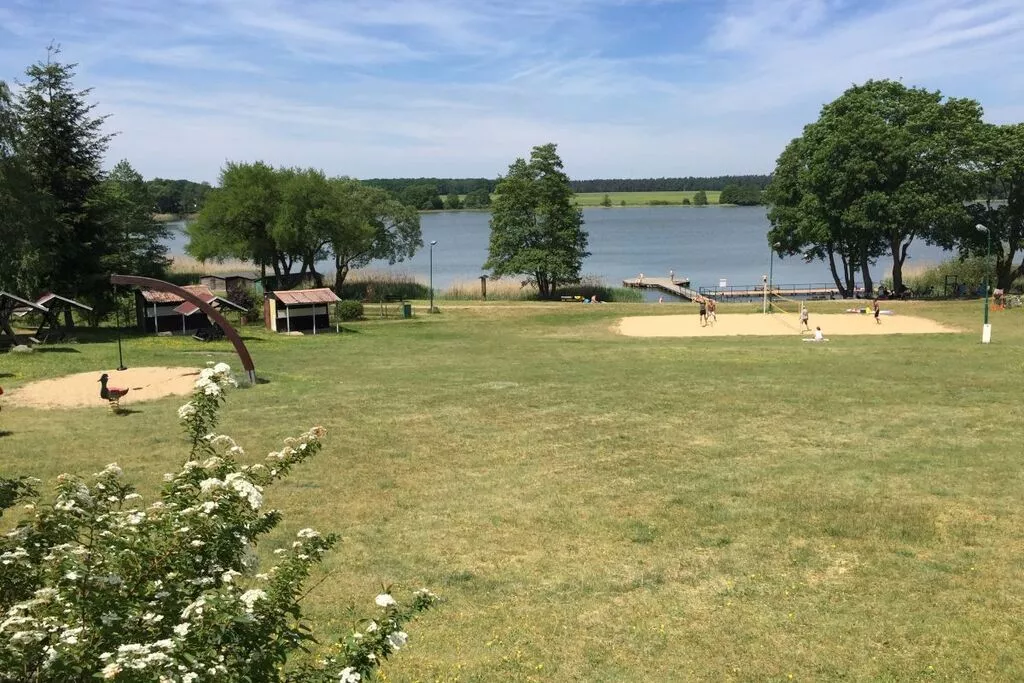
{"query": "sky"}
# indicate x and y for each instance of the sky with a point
(460, 88)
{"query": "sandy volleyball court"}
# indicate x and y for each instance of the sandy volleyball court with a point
(83, 390)
(777, 324)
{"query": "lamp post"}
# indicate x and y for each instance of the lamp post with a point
(986, 329)
(432, 243)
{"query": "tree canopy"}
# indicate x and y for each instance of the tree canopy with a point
(536, 229)
(883, 165)
(289, 219)
(740, 195)
(64, 225)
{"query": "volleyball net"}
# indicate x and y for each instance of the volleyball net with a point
(788, 310)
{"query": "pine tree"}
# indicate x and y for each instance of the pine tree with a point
(61, 145)
(536, 229)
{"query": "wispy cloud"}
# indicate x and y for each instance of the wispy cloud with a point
(452, 87)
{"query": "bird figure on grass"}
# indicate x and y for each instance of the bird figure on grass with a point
(111, 394)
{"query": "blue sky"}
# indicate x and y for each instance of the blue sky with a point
(627, 88)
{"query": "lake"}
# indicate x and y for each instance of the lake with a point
(705, 244)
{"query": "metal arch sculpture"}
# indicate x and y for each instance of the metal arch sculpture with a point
(230, 332)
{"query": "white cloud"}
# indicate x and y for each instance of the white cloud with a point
(451, 87)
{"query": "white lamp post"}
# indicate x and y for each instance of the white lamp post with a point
(986, 328)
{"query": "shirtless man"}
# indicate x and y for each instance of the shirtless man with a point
(703, 312)
(874, 307)
(712, 316)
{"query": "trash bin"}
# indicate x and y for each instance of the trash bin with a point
(406, 310)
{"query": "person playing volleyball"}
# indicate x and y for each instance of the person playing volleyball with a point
(712, 316)
(703, 312)
(804, 318)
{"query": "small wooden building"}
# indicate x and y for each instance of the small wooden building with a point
(230, 282)
(299, 310)
(157, 311)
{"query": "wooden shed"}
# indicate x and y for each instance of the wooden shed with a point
(157, 311)
(229, 282)
(299, 310)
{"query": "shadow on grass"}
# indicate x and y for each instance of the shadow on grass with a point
(122, 412)
(4, 433)
(55, 349)
(6, 374)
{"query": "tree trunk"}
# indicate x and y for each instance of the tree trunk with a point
(899, 255)
(340, 272)
(865, 273)
(69, 321)
(835, 274)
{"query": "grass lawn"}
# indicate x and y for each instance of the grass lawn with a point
(640, 198)
(601, 508)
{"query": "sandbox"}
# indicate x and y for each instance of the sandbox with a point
(777, 324)
(83, 389)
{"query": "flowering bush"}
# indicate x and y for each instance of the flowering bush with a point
(97, 586)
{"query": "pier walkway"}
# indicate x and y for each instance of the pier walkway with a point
(676, 286)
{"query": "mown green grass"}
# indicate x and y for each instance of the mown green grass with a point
(640, 198)
(594, 507)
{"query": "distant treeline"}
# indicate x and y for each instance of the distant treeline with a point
(177, 196)
(186, 196)
(669, 184)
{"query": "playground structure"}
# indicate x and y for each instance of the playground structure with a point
(215, 316)
(57, 320)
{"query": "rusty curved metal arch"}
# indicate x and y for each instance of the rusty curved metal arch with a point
(230, 332)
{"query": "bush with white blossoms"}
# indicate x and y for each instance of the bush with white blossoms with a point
(199, 415)
(97, 585)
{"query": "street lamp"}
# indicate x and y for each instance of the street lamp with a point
(986, 329)
(432, 243)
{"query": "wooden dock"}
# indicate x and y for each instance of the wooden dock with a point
(676, 286)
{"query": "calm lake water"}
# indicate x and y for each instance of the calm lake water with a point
(705, 244)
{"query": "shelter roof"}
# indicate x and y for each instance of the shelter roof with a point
(153, 296)
(219, 302)
(298, 297)
(47, 298)
(21, 303)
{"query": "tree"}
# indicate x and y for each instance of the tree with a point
(238, 219)
(740, 195)
(423, 196)
(999, 187)
(374, 226)
(60, 145)
(17, 204)
(606, 201)
(536, 229)
(700, 198)
(477, 199)
(134, 240)
(452, 202)
(882, 166)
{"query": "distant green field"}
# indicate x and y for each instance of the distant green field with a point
(641, 198)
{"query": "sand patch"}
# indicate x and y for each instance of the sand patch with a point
(83, 390)
(776, 324)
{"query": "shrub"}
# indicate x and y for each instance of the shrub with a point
(95, 585)
(349, 310)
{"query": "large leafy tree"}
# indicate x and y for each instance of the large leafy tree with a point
(134, 240)
(999, 169)
(238, 219)
(60, 144)
(883, 165)
(371, 225)
(536, 229)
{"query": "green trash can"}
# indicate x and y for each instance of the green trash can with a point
(406, 310)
